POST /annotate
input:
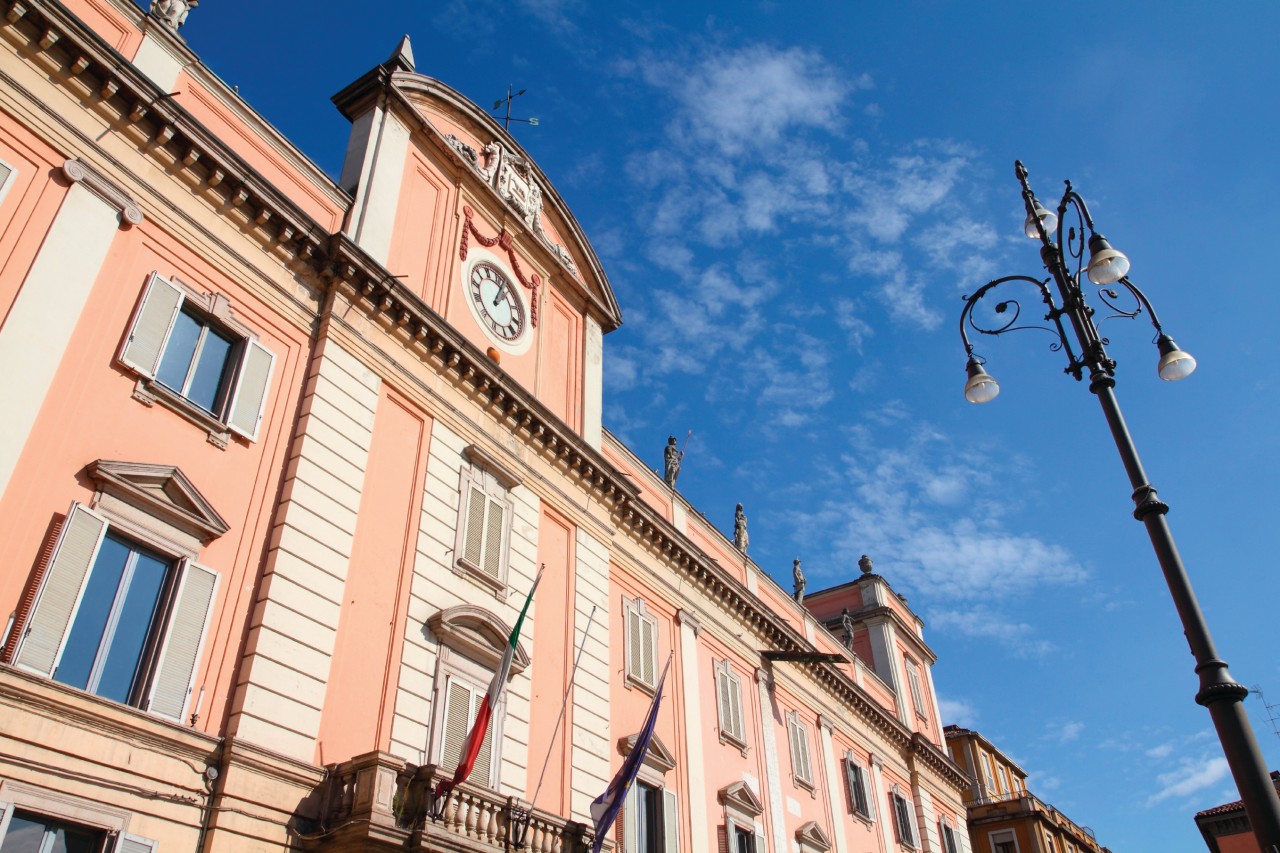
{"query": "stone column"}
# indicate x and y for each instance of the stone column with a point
(834, 775)
(44, 316)
(695, 778)
(768, 735)
(883, 808)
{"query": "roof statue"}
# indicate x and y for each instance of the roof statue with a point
(740, 537)
(671, 456)
(797, 577)
(173, 12)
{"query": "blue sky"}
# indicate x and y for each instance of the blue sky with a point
(790, 202)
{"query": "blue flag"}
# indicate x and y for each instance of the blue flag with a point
(604, 809)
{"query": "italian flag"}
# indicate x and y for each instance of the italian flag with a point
(481, 725)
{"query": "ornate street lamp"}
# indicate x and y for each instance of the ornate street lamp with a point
(1085, 349)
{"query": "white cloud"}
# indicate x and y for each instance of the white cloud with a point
(1191, 775)
(750, 98)
(1164, 750)
(1018, 637)
(1066, 732)
(958, 712)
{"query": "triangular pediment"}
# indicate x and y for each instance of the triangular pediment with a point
(478, 634)
(162, 491)
(811, 837)
(659, 757)
(739, 796)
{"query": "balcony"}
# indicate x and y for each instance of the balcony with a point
(1015, 803)
(377, 802)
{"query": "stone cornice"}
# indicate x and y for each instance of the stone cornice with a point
(71, 707)
(938, 761)
(109, 85)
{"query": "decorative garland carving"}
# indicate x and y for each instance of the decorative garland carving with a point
(505, 241)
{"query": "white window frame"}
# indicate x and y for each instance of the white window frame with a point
(853, 768)
(471, 646)
(988, 772)
(914, 677)
(17, 796)
(7, 182)
(729, 706)
(1001, 836)
(657, 762)
(947, 835)
(173, 652)
(249, 388)
(801, 756)
(904, 824)
(742, 810)
(482, 546)
(641, 644)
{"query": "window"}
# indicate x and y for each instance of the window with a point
(472, 642)
(462, 705)
(742, 809)
(484, 519)
(651, 820)
(7, 176)
(729, 702)
(917, 690)
(987, 774)
(1004, 842)
(856, 777)
(116, 617)
(798, 736)
(948, 836)
(902, 819)
(642, 644)
(194, 357)
(1003, 778)
(29, 833)
(37, 820)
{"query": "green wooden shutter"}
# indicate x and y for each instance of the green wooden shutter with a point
(250, 398)
(145, 345)
(180, 649)
(59, 594)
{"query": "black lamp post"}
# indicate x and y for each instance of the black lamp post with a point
(1085, 351)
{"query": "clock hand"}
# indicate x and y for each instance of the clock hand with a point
(498, 298)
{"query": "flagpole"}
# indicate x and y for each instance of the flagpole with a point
(560, 719)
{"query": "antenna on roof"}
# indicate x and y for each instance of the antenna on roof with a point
(1273, 711)
(507, 119)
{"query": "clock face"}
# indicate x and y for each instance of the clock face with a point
(494, 298)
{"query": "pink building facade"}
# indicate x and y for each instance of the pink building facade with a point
(256, 596)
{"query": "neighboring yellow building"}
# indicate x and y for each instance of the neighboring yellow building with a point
(1004, 816)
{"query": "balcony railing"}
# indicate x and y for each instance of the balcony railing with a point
(376, 801)
(1028, 803)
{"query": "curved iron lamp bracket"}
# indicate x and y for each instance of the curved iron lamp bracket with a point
(1014, 309)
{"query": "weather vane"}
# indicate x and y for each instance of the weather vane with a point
(507, 119)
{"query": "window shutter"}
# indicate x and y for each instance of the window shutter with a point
(6, 813)
(135, 844)
(762, 844)
(481, 773)
(184, 634)
(457, 723)
(473, 544)
(145, 344)
(670, 822)
(634, 642)
(648, 649)
(857, 790)
(493, 528)
(722, 696)
(735, 707)
(250, 398)
(77, 547)
(630, 819)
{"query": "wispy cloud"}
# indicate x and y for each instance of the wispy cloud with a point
(1190, 776)
(958, 712)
